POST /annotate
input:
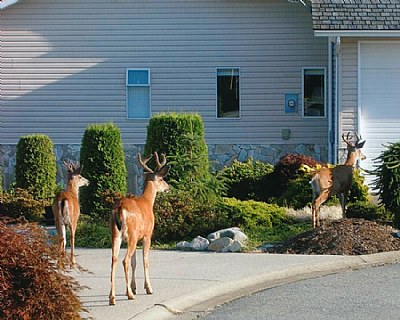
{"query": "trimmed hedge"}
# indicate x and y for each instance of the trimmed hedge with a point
(35, 167)
(103, 161)
(368, 211)
(180, 136)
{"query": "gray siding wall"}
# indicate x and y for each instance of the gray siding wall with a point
(63, 66)
(348, 111)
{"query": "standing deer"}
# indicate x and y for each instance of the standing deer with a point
(66, 208)
(337, 180)
(132, 219)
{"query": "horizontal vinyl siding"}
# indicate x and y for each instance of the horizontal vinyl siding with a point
(63, 66)
(348, 86)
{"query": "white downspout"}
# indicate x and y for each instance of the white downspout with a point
(330, 115)
(337, 101)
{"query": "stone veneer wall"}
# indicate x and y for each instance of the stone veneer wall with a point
(220, 156)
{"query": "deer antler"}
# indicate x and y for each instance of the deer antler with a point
(347, 139)
(69, 166)
(162, 164)
(143, 162)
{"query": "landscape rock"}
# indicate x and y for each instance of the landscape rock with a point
(219, 244)
(200, 244)
(184, 245)
(233, 233)
(235, 246)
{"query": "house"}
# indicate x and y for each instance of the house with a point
(267, 76)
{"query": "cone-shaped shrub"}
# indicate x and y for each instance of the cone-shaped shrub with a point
(35, 168)
(103, 161)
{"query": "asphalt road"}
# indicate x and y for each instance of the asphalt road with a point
(366, 294)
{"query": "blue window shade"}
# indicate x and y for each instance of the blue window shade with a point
(138, 102)
(137, 78)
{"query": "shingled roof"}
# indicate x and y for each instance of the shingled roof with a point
(356, 15)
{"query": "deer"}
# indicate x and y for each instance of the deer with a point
(66, 208)
(337, 180)
(132, 220)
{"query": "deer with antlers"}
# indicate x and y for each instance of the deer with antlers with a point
(66, 208)
(336, 181)
(132, 219)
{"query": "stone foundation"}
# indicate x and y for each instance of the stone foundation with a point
(220, 156)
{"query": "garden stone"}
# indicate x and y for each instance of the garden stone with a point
(184, 245)
(233, 233)
(220, 244)
(235, 246)
(200, 244)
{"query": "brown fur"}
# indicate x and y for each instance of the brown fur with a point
(66, 208)
(132, 220)
(335, 181)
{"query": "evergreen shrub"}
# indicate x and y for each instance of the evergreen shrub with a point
(180, 136)
(387, 183)
(368, 211)
(17, 203)
(242, 178)
(103, 164)
(35, 167)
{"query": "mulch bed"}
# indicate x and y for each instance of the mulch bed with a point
(342, 237)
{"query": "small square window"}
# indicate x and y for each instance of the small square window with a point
(138, 93)
(314, 88)
(228, 98)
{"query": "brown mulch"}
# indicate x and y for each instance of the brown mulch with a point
(342, 237)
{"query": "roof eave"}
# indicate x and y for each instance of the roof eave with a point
(358, 33)
(6, 3)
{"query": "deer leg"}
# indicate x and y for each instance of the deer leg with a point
(126, 262)
(342, 198)
(116, 243)
(133, 265)
(324, 195)
(146, 250)
(72, 260)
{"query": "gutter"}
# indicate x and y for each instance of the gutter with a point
(357, 33)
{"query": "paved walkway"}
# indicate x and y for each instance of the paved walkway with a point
(188, 283)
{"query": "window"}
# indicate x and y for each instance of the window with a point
(138, 93)
(314, 92)
(228, 98)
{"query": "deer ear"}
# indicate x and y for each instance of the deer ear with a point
(163, 171)
(359, 145)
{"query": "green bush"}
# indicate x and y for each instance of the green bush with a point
(179, 216)
(251, 214)
(359, 191)
(35, 167)
(181, 138)
(103, 161)
(387, 183)
(368, 211)
(273, 186)
(20, 203)
(92, 234)
(242, 178)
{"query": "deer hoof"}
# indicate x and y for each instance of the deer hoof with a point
(149, 290)
(112, 301)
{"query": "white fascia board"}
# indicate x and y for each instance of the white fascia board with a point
(358, 33)
(6, 3)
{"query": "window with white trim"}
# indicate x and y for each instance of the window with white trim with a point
(138, 93)
(314, 92)
(228, 98)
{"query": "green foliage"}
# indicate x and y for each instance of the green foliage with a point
(103, 161)
(387, 183)
(181, 138)
(35, 167)
(251, 214)
(368, 211)
(92, 234)
(180, 216)
(359, 190)
(243, 178)
(20, 203)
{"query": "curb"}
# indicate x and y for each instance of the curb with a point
(188, 306)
